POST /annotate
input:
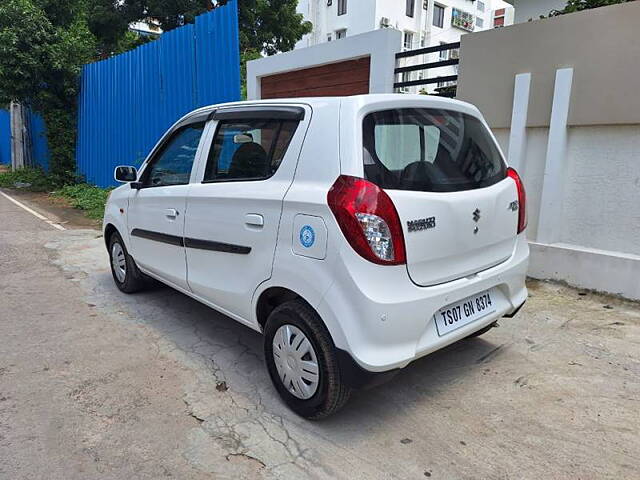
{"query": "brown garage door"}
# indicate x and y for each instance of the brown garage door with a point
(350, 77)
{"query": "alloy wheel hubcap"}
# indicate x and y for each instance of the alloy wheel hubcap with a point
(296, 361)
(118, 262)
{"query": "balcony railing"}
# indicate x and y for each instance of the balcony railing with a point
(448, 91)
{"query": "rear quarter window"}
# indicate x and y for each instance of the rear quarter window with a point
(429, 150)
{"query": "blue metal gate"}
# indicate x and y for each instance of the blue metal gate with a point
(128, 101)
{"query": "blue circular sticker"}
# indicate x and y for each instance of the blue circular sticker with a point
(307, 236)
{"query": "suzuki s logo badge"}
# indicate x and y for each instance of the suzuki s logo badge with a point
(476, 215)
(421, 224)
(513, 206)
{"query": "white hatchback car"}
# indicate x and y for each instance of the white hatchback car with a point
(357, 234)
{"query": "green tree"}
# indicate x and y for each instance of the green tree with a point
(43, 45)
(270, 26)
(266, 26)
(578, 5)
(109, 21)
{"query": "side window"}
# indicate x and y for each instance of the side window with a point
(172, 164)
(248, 149)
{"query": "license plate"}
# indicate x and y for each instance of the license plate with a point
(465, 311)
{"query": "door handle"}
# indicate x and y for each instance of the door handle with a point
(171, 213)
(254, 220)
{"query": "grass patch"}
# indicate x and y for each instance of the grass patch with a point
(32, 179)
(85, 197)
(89, 198)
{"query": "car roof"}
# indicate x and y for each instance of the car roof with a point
(354, 101)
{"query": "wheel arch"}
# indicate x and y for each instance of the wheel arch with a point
(271, 298)
(109, 230)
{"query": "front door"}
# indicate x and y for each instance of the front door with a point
(157, 210)
(233, 211)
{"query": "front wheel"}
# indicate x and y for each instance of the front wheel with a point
(302, 363)
(123, 268)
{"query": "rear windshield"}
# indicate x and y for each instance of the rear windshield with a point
(429, 150)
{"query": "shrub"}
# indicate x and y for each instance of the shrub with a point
(32, 179)
(86, 197)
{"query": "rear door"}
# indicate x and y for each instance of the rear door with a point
(234, 208)
(156, 211)
(448, 182)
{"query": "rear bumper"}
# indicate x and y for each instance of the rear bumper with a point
(357, 377)
(515, 312)
(384, 321)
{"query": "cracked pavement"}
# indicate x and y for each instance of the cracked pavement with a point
(98, 384)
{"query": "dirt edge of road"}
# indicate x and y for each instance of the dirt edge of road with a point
(56, 209)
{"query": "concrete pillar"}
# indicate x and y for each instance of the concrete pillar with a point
(518, 132)
(555, 164)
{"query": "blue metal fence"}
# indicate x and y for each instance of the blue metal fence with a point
(127, 102)
(39, 148)
(39, 145)
(5, 138)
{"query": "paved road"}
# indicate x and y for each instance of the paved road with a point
(97, 384)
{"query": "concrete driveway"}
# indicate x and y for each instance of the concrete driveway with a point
(98, 384)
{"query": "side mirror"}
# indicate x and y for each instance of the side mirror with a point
(125, 174)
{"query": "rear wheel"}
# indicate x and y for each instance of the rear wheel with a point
(123, 268)
(484, 330)
(302, 363)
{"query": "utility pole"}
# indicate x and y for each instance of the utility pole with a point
(20, 137)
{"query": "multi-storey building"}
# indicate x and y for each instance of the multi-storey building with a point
(424, 23)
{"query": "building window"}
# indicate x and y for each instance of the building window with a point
(342, 7)
(411, 5)
(498, 18)
(480, 6)
(329, 37)
(341, 33)
(407, 43)
(423, 40)
(479, 22)
(444, 54)
(438, 16)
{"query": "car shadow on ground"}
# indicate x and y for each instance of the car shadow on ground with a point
(234, 352)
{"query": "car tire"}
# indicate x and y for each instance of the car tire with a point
(124, 270)
(482, 331)
(329, 394)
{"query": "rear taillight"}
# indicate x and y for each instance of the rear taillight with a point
(522, 199)
(368, 219)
